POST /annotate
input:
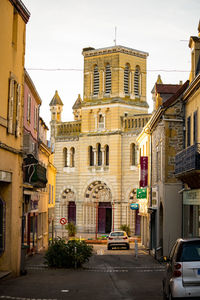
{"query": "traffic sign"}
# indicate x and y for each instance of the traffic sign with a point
(134, 206)
(63, 221)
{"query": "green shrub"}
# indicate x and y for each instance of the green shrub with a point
(126, 228)
(68, 255)
(71, 227)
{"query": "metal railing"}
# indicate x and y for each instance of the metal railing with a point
(188, 159)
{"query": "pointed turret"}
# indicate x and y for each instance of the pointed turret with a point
(77, 108)
(56, 107)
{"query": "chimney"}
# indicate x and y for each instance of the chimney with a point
(194, 45)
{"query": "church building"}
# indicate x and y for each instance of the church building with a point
(96, 155)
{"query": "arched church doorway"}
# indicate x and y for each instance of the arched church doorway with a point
(99, 194)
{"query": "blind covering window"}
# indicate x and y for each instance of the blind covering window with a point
(137, 82)
(96, 81)
(126, 79)
(108, 80)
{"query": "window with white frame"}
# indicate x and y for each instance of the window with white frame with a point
(101, 121)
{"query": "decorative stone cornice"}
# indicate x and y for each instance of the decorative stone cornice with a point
(88, 52)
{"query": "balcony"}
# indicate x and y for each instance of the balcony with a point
(34, 172)
(69, 129)
(187, 166)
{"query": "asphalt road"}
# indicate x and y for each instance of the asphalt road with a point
(113, 275)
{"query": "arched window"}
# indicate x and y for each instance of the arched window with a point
(101, 121)
(72, 157)
(133, 154)
(91, 156)
(108, 81)
(96, 81)
(107, 155)
(65, 157)
(126, 79)
(99, 155)
(2, 226)
(137, 83)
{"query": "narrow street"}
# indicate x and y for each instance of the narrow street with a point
(113, 275)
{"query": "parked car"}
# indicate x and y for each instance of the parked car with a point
(182, 275)
(118, 238)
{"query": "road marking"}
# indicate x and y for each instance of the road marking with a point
(65, 291)
(20, 298)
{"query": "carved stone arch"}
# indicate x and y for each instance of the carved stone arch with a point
(69, 187)
(130, 194)
(103, 181)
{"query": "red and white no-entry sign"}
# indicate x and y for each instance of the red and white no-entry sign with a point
(63, 221)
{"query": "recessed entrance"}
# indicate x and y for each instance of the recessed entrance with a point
(104, 217)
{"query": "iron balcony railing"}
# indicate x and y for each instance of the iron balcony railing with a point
(188, 159)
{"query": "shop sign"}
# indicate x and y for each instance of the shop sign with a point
(143, 207)
(143, 171)
(191, 197)
(141, 193)
(134, 206)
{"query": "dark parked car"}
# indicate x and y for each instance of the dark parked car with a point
(182, 276)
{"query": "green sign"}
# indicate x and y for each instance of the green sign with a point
(141, 193)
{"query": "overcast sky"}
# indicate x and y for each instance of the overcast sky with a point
(58, 30)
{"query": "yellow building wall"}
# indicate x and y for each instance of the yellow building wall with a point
(12, 51)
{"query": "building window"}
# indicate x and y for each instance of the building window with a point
(14, 104)
(65, 157)
(188, 131)
(72, 157)
(137, 82)
(133, 154)
(35, 118)
(107, 155)
(195, 127)
(99, 155)
(126, 79)
(101, 123)
(96, 81)
(49, 193)
(108, 79)
(29, 109)
(91, 156)
(2, 226)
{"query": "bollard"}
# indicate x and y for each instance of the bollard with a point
(75, 251)
(136, 249)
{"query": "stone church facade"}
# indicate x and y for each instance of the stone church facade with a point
(96, 155)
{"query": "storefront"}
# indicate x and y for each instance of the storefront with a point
(191, 213)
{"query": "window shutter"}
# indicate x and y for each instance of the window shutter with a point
(108, 79)
(11, 105)
(137, 82)
(18, 104)
(126, 80)
(96, 81)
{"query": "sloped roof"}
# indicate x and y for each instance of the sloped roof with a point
(77, 103)
(56, 100)
(173, 98)
(167, 88)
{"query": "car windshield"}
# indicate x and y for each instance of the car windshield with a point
(118, 233)
(191, 251)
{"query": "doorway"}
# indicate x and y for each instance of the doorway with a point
(104, 217)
